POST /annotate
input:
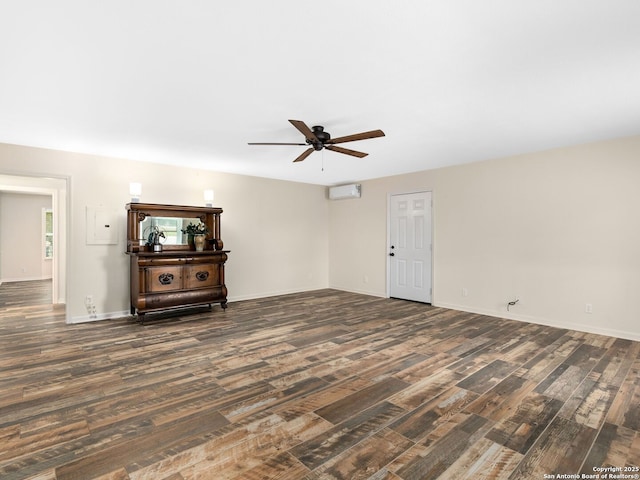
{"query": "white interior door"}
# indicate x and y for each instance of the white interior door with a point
(410, 248)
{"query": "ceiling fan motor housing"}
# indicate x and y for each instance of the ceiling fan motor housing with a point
(321, 135)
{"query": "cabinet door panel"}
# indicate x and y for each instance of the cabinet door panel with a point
(199, 276)
(163, 279)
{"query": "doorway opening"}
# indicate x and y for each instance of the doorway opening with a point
(15, 269)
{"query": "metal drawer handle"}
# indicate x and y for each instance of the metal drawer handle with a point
(165, 278)
(202, 276)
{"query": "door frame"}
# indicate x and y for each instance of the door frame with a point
(388, 240)
(58, 187)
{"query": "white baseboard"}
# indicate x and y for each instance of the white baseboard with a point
(610, 332)
(463, 308)
(22, 279)
(254, 296)
(361, 292)
(99, 317)
(126, 313)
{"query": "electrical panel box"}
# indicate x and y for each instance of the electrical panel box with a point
(102, 226)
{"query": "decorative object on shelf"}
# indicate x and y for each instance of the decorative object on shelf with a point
(153, 238)
(198, 242)
(208, 197)
(194, 229)
(135, 190)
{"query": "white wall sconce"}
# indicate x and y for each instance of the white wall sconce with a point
(208, 197)
(135, 190)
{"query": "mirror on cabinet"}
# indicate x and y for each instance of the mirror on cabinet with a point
(172, 226)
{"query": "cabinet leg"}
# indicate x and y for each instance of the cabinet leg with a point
(224, 305)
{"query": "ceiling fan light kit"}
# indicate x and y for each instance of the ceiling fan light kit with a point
(317, 139)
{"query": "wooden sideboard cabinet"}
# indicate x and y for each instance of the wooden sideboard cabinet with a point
(174, 275)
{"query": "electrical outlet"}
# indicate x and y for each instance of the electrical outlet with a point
(588, 308)
(465, 292)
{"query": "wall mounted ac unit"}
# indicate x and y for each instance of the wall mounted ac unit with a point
(344, 191)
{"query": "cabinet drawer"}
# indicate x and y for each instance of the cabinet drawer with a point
(163, 279)
(199, 276)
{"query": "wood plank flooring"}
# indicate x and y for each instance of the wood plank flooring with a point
(311, 386)
(24, 294)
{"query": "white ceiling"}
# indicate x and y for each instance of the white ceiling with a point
(191, 82)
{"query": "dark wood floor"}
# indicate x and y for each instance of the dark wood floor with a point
(320, 385)
(24, 294)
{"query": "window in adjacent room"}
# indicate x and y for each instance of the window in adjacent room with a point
(47, 232)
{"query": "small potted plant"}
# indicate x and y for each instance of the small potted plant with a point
(196, 234)
(153, 238)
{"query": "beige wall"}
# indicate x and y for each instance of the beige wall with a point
(274, 229)
(557, 229)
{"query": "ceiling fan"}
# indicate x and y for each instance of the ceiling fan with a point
(318, 139)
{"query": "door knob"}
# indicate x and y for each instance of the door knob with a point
(392, 254)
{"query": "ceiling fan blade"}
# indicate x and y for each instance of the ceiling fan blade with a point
(304, 155)
(357, 136)
(353, 153)
(269, 143)
(306, 131)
